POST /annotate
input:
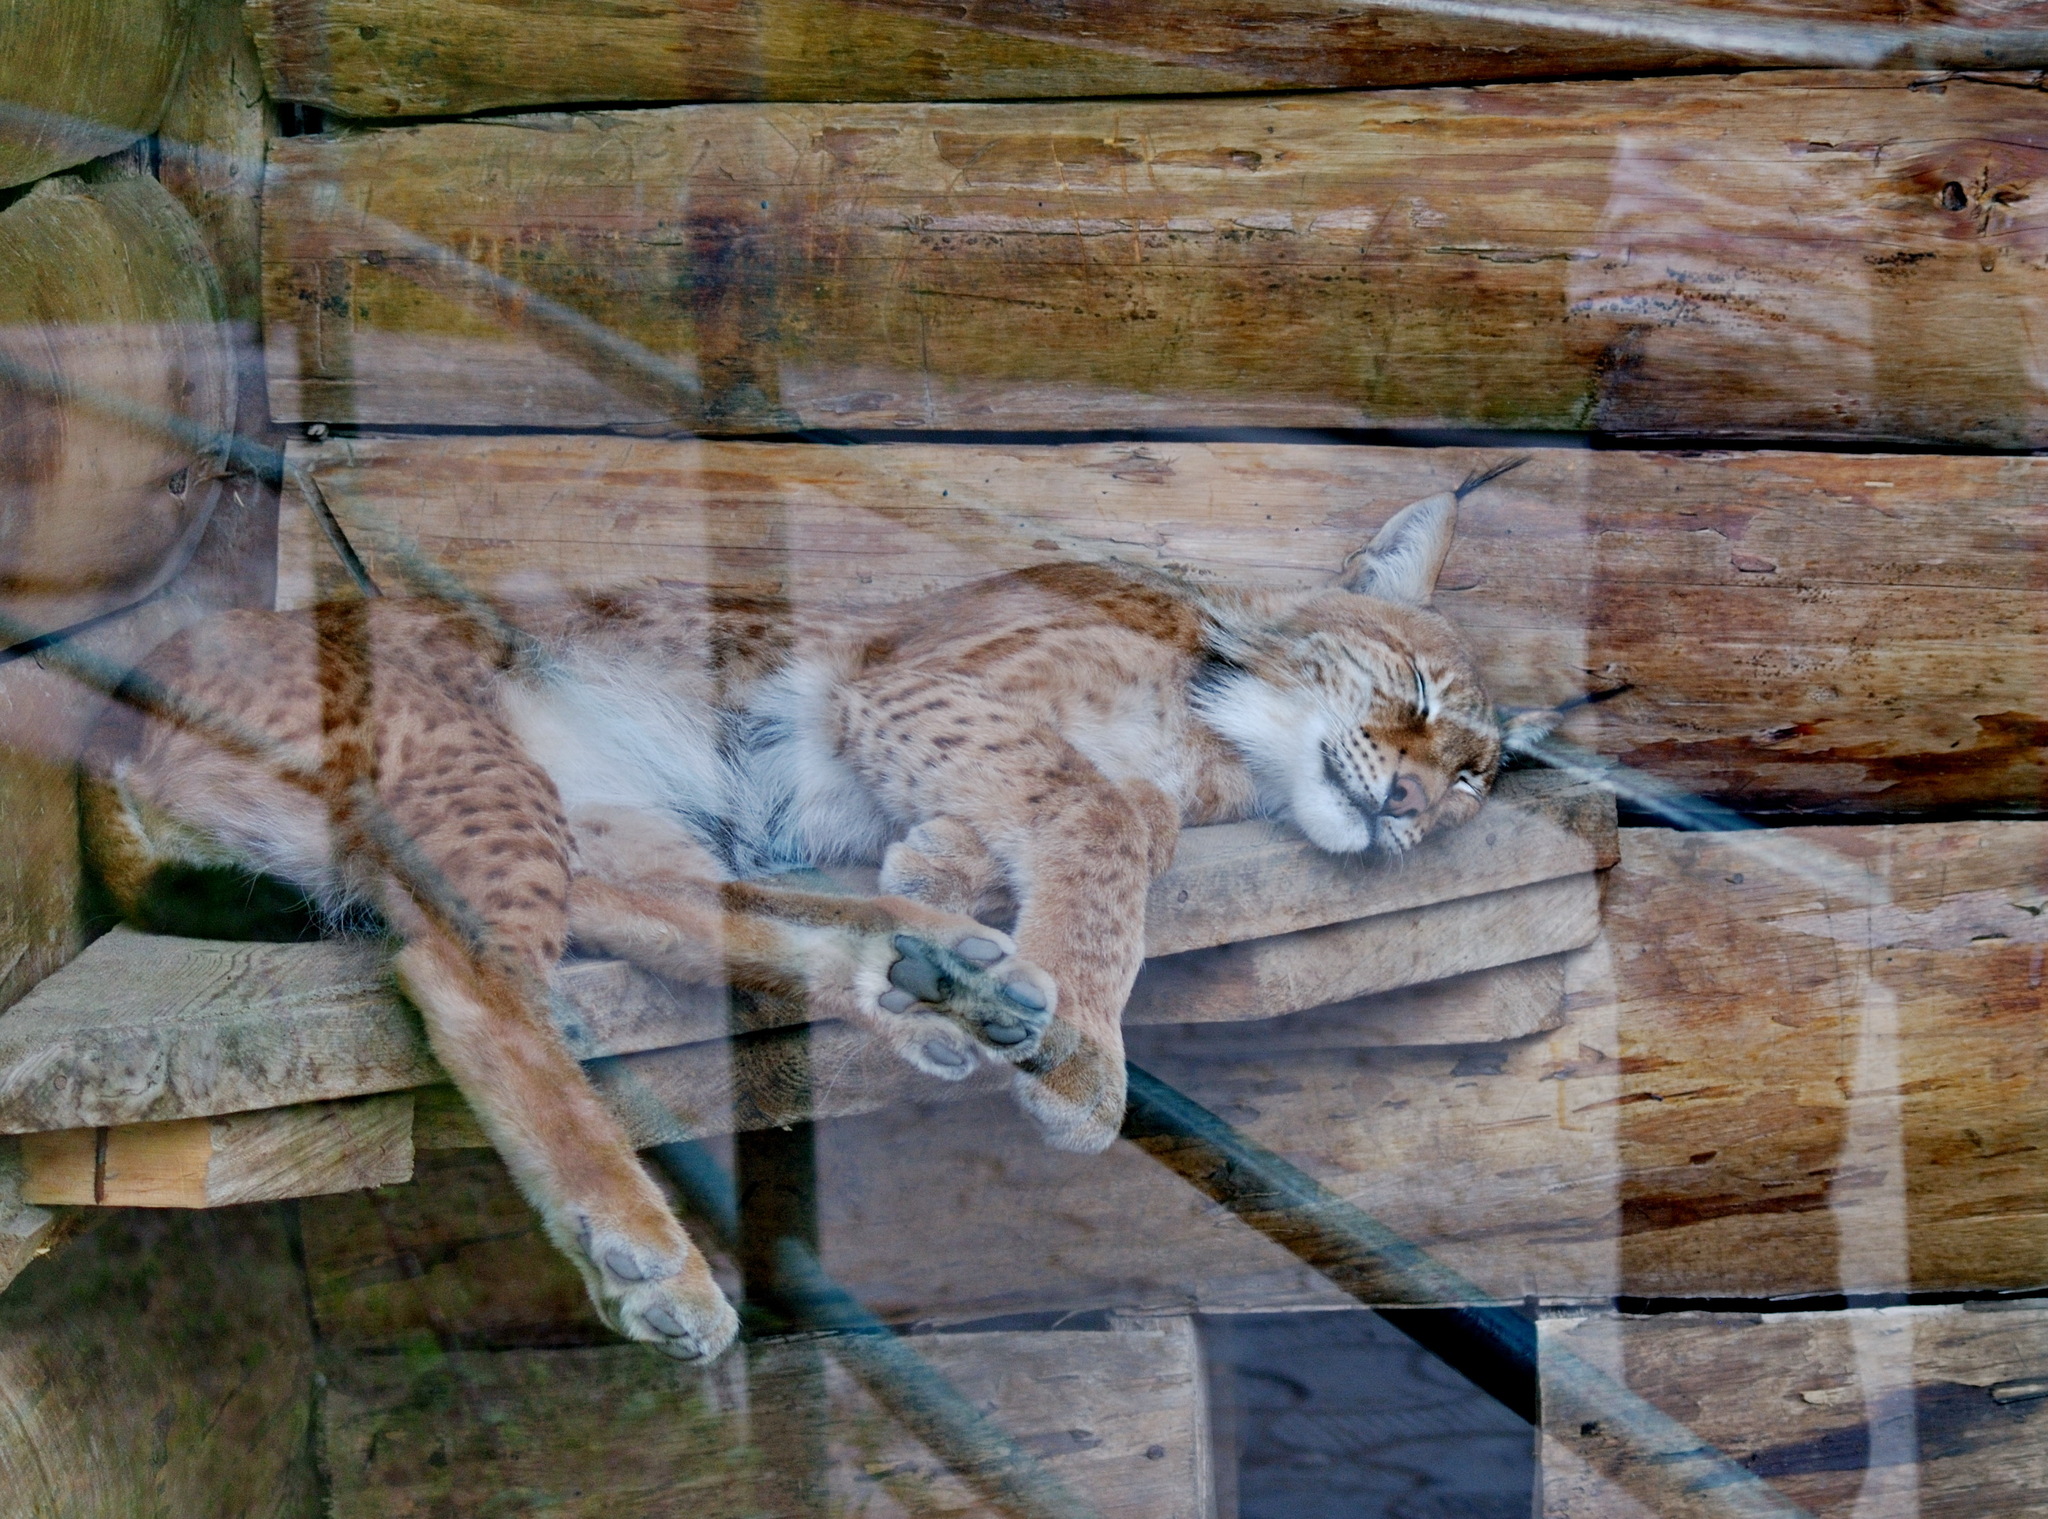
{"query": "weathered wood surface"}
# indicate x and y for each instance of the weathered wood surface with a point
(1934, 1411)
(161, 1365)
(145, 1028)
(1762, 1087)
(1290, 972)
(81, 80)
(451, 57)
(110, 315)
(1713, 256)
(1480, 1007)
(1781, 631)
(25, 1230)
(305, 1151)
(1118, 1416)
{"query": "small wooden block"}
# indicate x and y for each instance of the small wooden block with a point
(216, 1162)
(1937, 1410)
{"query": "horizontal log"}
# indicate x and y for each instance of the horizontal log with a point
(452, 57)
(219, 1162)
(1776, 624)
(1118, 1417)
(143, 1028)
(1698, 256)
(84, 80)
(1927, 1410)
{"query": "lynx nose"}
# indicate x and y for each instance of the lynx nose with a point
(1405, 798)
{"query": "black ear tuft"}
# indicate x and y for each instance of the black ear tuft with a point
(1480, 477)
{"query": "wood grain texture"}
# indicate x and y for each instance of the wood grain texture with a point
(451, 57)
(161, 1365)
(1789, 632)
(1119, 1416)
(1715, 256)
(1934, 1411)
(84, 79)
(144, 1028)
(25, 1230)
(304, 1151)
(110, 313)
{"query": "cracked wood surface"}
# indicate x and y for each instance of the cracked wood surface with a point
(1786, 255)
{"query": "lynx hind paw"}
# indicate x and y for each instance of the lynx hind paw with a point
(663, 1297)
(1074, 1089)
(952, 997)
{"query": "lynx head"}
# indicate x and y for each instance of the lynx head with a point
(1359, 710)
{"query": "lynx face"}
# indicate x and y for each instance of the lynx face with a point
(1361, 712)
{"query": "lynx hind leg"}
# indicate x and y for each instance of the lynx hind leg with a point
(501, 847)
(567, 1152)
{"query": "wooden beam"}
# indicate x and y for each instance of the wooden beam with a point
(1706, 257)
(452, 57)
(218, 1162)
(1930, 1410)
(26, 1231)
(1119, 1416)
(1764, 615)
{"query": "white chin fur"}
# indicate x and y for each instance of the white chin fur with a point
(1280, 734)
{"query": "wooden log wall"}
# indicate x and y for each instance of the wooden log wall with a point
(1799, 1061)
(1773, 255)
(85, 78)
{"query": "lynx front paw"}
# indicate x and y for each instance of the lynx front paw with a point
(1074, 1088)
(659, 1295)
(953, 993)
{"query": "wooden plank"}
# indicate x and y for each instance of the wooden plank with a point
(144, 1028)
(452, 57)
(1774, 621)
(1934, 1411)
(82, 81)
(1289, 972)
(162, 1364)
(303, 1151)
(1480, 1007)
(1698, 256)
(1119, 1416)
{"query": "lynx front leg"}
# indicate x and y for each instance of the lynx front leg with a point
(944, 991)
(1079, 862)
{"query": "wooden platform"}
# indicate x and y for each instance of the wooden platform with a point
(154, 1039)
(1700, 257)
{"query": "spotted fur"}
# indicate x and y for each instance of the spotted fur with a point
(629, 770)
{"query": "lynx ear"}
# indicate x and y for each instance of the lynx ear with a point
(1401, 563)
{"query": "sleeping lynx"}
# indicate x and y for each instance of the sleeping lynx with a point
(1034, 739)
